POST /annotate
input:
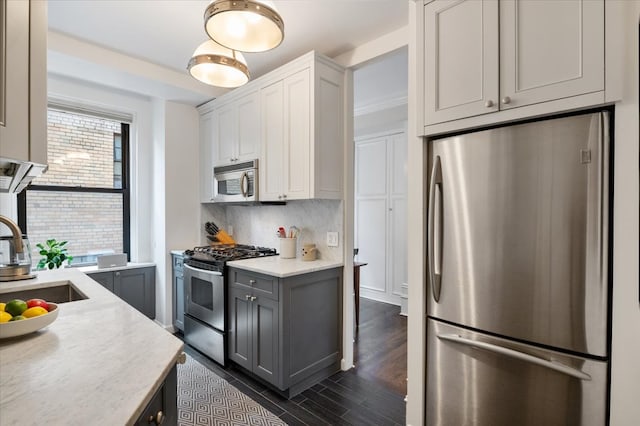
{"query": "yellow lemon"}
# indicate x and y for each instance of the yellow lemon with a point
(36, 311)
(5, 316)
(1, 307)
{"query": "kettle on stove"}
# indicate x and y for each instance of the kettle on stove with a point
(15, 254)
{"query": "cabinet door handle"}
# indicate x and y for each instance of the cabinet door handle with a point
(489, 103)
(253, 298)
(506, 100)
(252, 282)
(158, 419)
(117, 274)
(247, 296)
(284, 195)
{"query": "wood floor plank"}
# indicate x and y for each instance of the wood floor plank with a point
(294, 409)
(356, 412)
(323, 413)
(380, 350)
(291, 421)
(325, 402)
(345, 391)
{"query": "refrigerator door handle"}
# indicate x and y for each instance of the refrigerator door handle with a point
(565, 369)
(435, 239)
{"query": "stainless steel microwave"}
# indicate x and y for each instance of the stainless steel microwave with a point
(236, 183)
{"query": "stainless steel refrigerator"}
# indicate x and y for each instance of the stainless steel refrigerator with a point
(518, 288)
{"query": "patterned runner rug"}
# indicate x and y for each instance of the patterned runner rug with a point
(206, 399)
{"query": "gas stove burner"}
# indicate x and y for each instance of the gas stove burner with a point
(214, 257)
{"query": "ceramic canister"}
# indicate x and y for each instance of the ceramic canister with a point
(288, 248)
(309, 252)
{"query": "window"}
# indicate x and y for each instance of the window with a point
(83, 198)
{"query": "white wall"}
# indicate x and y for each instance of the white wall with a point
(165, 212)
(181, 199)
(625, 351)
(156, 214)
(257, 225)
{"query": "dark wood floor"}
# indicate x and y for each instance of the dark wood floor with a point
(380, 351)
(370, 394)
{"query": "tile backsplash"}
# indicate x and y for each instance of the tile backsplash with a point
(257, 224)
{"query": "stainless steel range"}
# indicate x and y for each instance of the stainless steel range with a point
(205, 321)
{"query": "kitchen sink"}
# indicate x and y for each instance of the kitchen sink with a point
(58, 293)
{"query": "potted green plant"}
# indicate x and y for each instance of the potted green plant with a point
(54, 254)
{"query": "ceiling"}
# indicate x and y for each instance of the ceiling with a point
(167, 32)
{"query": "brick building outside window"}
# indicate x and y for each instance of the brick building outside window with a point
(83, 198)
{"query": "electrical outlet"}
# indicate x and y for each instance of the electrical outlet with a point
(332, 239)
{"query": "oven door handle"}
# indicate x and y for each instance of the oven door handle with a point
(206, 271)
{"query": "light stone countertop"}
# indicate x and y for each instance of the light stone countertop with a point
(282, 268)
(130, 265)
(99, 362)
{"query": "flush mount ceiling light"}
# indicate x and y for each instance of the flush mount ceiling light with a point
(244, 25)
(218, 66)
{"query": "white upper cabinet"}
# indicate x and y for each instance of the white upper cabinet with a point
(297, 138)
(302, 138)
(291, 119)
(550, 50)
(483, 56)
(272, 160)
(461, 59)
(23, 79)
(236, 130)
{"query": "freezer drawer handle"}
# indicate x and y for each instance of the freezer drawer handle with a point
(518, 355)
(435, 224)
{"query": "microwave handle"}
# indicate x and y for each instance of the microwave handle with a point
(214, 189)
(244, 184)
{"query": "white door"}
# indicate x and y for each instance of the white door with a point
(14, 79)
(272, 153)
(398, 226)
(562, 58)
(225, 134)
(371, 216)
(248, 131)
(461, 59)
(380, 215)
(297, 137)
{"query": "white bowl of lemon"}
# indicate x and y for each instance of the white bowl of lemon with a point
(18, 317)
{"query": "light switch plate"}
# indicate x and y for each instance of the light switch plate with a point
(332, 239)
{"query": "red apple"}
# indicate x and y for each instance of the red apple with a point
(37, 302)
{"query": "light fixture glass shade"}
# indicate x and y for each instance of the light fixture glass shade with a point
(218, 66)
(244, 25)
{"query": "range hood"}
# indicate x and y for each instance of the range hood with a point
(16, 175)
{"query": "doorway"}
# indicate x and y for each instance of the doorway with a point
(380, 224)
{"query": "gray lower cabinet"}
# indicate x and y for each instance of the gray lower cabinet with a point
(136, 286)
(287, 331)
(178, 291)
(163, 407)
